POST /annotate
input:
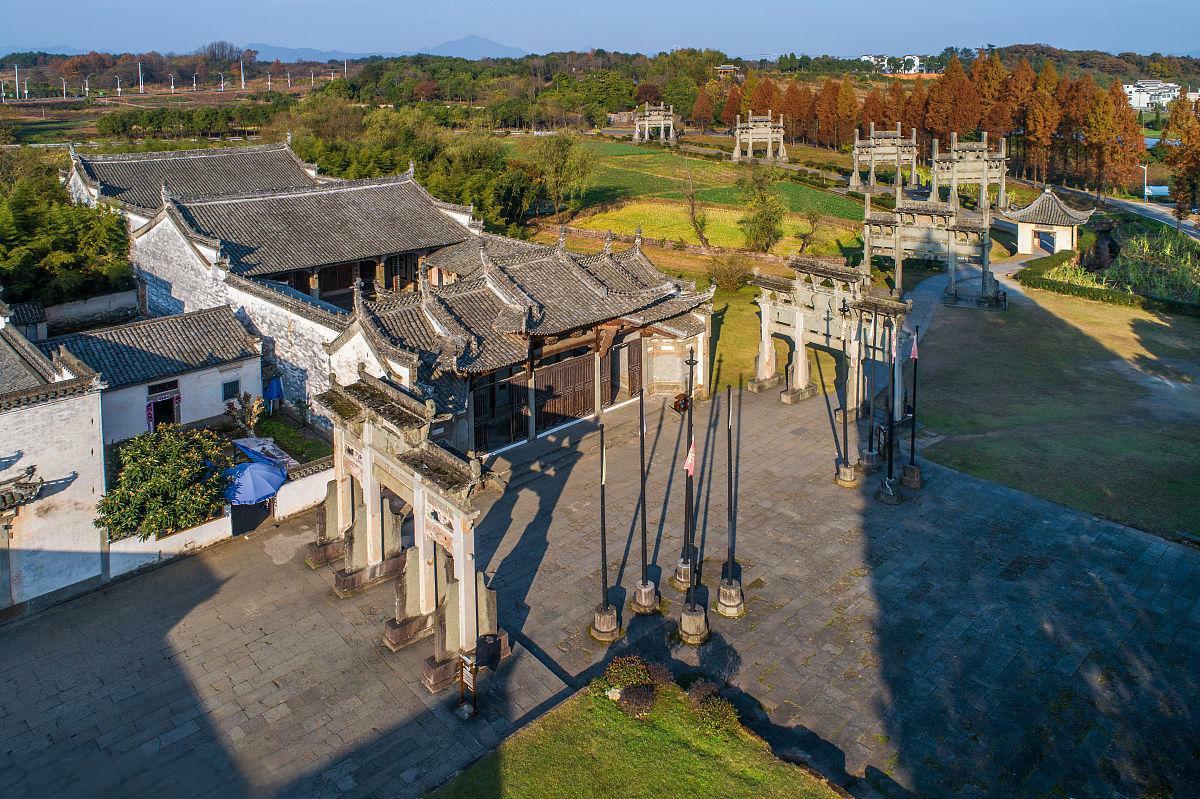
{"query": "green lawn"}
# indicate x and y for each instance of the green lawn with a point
(587, 747)
(303, 445)
(1091, 405)
(798, 197)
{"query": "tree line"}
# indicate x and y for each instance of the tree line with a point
(176, 122)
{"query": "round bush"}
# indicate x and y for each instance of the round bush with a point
(637, 700)
(701, 690)
(627, 670)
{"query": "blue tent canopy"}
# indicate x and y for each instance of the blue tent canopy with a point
(251, 483)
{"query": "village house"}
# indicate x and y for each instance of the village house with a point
(51, 473)
(168, 370)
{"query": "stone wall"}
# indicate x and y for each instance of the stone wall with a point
(178, 280)
(53, 543)
(107, 309)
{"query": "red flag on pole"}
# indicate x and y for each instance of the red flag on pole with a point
(913, 354)
(689, 464)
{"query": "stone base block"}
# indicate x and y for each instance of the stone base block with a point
(759, 385)
(398, 634)
(693, 625)
(847, 477)
(794, 395)
(346, 583)
(911, 477)
(322, 553)
(645, 598)
(604, 627)
(889, 493)
(868, 462)
(730, 602)
(682, 578)
(493, 649)
(438, 675)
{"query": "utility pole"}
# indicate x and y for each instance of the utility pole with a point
(118, 86)
(64, 82)
(172, 83)
(312, 79)
(289, 78)
(141, 85)
(345, 69)
(221, 75)
(268, 81)
(242, 67)
(25, 84)
(87, 88)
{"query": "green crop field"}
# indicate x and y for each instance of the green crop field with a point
(664, 219)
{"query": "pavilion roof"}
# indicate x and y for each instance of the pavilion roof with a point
(1048, 209)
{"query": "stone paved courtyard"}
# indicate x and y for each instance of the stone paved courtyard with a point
(972, 642)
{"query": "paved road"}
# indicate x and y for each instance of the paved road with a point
(973, 642)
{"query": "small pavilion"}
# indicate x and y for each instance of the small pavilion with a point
(1048, 222)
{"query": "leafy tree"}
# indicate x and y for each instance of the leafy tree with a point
(733, 106)
(648, 93)
(681, 92)
(564, 167)
(874, 109)
(696, 215)
(52, 250)
(762, 224)
(765, 97)
(702, 109)
(169, 480)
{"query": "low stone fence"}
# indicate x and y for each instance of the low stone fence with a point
(107, 309)
(130, 554)
(305, 488)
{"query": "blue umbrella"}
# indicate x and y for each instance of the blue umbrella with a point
(251, 483)
(274, 390)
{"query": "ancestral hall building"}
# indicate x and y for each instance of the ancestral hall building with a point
(508, 339)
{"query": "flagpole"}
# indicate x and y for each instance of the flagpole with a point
(645, 596)
(693, 621)
(887, 489)
(690, 520)
(604, 624)
(911, 477)
(871, 460)
(729, 597)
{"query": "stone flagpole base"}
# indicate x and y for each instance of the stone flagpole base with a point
(604, 625)
(682, 577)
(645, 598)
(888, 493)
(868, 462)
(730, 602)
(847, 476)
(911, 477)
(693, 625)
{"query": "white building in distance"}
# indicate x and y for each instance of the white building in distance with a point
(1151, 93)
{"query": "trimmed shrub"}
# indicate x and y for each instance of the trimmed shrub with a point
(701, 690)
(637, 700)
(660, 674)
(625, 671)
(718, 713)
(1033, 275)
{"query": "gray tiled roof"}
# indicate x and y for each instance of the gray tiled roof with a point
(22, 366)
(272, 232)
(136, 179)
(1049, 209)
(513, 290)
(154, 349)
(27, 313)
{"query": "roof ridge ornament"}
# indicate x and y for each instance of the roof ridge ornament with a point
(608, 243)
(562, 237)
(412, 169)
(637, 239)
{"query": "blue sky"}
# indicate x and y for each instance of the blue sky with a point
(735, 26)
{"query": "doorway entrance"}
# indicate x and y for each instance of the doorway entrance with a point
(621, 373)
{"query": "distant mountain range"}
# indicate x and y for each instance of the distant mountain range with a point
(471, 47)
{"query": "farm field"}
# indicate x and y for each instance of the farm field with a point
(666, 219)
